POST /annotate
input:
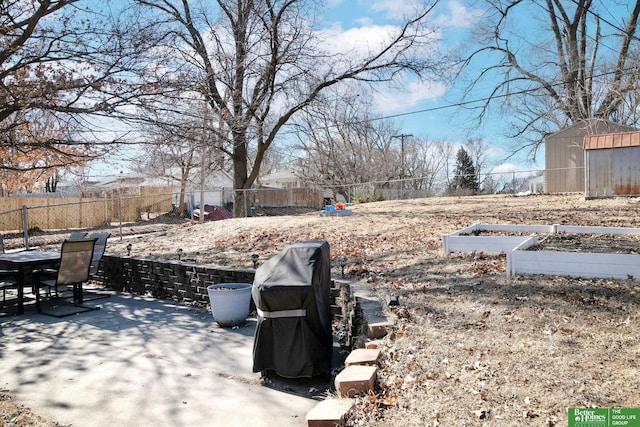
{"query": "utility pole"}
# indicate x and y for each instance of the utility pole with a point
(402, 136)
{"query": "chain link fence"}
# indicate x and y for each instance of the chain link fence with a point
(27, 222)
(38, 221)
(510, 182)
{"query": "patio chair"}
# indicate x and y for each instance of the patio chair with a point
(75, 235)
(73, 270)
(98, 252)
(7, 277)
(7, 283)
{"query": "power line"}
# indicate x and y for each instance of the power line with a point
(599, 42)
(606, 21)
(470, 102)
(430, 109)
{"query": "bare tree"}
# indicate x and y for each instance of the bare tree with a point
(180, 152)
(477, 150)
(259, 62)
(343, 144)
(570, 65)
(62, 62)
(448, 155)
(425, 163)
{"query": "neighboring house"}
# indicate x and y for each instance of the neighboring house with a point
(535, 185)
(564, 155)
(217, 187)
(289, 179)
(612, 164)
(124, 184)
(120, 184)
(281, 179)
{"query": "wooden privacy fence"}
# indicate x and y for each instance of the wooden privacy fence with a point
(64, 213)
(285, 197)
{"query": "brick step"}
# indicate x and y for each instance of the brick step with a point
(355, 380)
(330, 413)
(363, 356)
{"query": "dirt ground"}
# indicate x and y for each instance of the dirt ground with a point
(593, 243)
(472, 346)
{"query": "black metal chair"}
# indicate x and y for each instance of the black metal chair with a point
(98, 252)
(73, 271)
(7, 277)
(75, 235)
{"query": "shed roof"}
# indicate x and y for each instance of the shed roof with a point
(612, 140)
(591, 126)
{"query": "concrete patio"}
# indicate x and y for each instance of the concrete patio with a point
(140, 361)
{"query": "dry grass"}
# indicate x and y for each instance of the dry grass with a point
(472, 346)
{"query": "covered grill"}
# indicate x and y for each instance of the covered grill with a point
(292, 294)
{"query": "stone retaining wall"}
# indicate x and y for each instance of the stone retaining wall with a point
(187, 282)
(161, 278)
(347, 313)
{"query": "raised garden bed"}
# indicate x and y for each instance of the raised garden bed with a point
(589, 242)
(491, 238)
(573, 251)
(587, 258)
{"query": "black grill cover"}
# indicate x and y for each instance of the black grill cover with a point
(292, 292)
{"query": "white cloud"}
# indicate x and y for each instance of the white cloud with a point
(450, 14)
(392, 100)
(359, 41)
(395, 9)
(495, 152)
(457, 15)
(510, 168)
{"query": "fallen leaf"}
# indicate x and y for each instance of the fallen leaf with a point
(481, 414)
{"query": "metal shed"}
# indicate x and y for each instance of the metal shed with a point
(564, 155)
(612, 164)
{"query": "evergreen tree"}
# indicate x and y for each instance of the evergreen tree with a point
(465, 180)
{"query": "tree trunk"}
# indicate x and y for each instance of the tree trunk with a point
(240, 175)
(182, 206)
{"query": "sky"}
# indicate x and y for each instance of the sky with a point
(427, 109)
(422, 109)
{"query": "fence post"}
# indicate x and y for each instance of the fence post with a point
(80, 213)
(245, 203)
(202, 211)
(25, 226)
(120, 214)
(192, 205)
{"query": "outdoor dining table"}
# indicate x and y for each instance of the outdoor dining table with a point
(25, 262)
